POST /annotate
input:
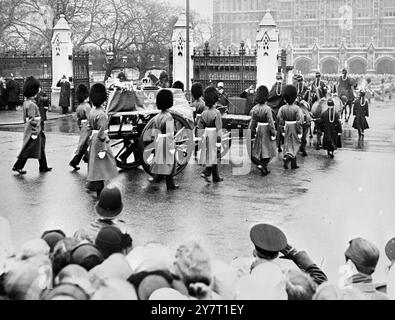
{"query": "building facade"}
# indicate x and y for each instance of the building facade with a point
(320, 34)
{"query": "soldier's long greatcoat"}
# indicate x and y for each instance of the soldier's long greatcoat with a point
(82, 112)
(100, 169)
(290, 119)
(33, 137)
(263, 129)
(163, 131)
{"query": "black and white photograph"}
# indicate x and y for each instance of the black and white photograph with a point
(197, 151)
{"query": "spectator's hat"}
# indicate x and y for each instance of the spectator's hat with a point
(115, 289)
(86, 255)
(318, 74)
(110, 202)
(364, 254)
(390, 249)
(115, 266)
(110, 239)
(268, 240)
(220, 85)
(279, 76)
(65, 291)
(52, 237)
(167, 294)
(98, 94)
(299, 77)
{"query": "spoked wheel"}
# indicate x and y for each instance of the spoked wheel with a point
(226, 141)
(183, 139)
(126, 153)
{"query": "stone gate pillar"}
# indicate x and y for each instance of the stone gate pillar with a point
(180, 52)
(268, 47)
(62, 57)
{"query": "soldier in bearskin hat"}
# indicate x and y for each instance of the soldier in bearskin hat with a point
(290, 120)
(276, 101)
(101, 165)
(264, 131)
(211, 122)
(163, 129)
(33, 138)
(83, 110)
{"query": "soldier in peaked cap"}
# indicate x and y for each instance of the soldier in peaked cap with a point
(268, 241)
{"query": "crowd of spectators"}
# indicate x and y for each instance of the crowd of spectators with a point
(100, 262)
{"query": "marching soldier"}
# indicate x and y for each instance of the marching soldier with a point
(263, 130)
(83, 110)
(275, 102)
(211, 122)
(163, 129)
(361, 111)
(33, 137)
(101, 166)
(291, 119)
(331, 126)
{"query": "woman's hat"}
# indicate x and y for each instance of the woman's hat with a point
(65, 291)
(86, 255)
(390, 249)
(52, 237)
(110, 202)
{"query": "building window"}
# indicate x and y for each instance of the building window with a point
(363, 8)
(389, 8)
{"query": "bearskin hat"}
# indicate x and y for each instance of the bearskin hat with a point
(290, 94)
(31, 87)
(178, 85)
(262, 94)
(211, 96)
(197, 90)
(164, 99)
(82, 93)
(98, 94)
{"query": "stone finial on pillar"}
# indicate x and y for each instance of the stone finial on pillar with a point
(371, 59)
(180, 50)
(62, 56)
(268, 48)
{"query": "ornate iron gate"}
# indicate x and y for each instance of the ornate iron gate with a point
(236, 68)
(23, 65)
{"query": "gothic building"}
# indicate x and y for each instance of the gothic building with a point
(320, 34)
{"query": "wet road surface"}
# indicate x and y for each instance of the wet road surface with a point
(320, 207)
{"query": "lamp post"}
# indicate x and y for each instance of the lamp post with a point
(188, 55)
(124, 61)
(206, 53)
(109, 62)
(242, 52)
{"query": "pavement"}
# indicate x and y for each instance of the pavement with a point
(8, 118)
(320, 207)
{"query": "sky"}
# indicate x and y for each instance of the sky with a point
(204, 7)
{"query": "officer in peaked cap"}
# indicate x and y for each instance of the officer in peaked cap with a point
(268, 241)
